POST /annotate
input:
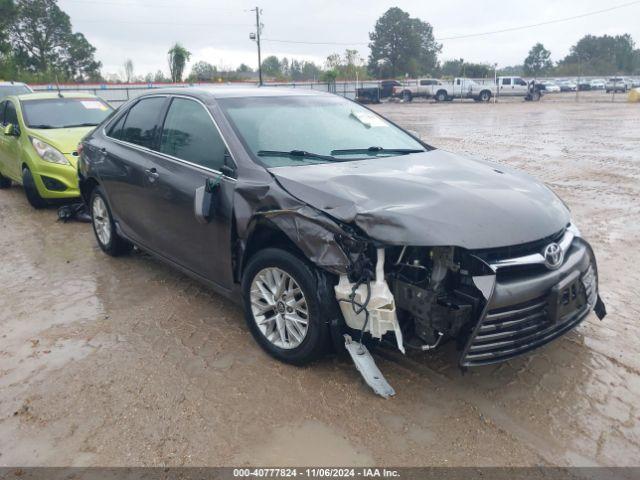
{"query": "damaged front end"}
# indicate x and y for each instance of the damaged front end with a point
(495, 303)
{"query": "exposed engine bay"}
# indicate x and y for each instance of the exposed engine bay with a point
(424, 295)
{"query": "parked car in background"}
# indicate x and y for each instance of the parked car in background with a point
(327, 220)
(13, 88)
(550, 86)
(39, 140)
(635, 82)
(584, 85)
(597, 84)
(568, 86)
(617, 84)
(374, 94)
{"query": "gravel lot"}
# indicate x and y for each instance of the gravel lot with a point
(125, 362)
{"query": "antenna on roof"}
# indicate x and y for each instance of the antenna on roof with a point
(58, 87)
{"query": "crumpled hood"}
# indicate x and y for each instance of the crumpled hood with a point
(433, 198)
(64, 139)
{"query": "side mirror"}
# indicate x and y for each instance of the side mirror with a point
(203, 200)
(10, 130)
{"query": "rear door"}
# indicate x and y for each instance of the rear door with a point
(520, 87)
(126, 169)
(506, 86)
(192, 152)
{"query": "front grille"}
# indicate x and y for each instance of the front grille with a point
(492, 255)
(510, 331)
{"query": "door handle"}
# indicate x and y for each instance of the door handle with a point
(152, 174)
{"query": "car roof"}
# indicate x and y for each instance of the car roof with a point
(8, 84)
(234, 91)
(49, 95)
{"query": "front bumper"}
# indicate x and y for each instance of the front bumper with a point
(522, 311)
(56, 181)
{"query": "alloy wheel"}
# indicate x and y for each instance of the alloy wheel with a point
(279, 308)
(101, 220)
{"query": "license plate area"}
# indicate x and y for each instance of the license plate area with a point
(567, 297)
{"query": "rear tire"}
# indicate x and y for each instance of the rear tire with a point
(103, 227)
(441, 96)
(485, 96)
(276, 315)
(31, 191)
(4, 182)
(407, 96)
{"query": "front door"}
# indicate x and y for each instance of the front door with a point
(192, 152)
(9, 144)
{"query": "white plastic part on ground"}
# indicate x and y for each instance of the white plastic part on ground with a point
(381, 306)
(368, 369)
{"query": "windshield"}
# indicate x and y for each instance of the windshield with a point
(64, 112)
(6, 90)
(322, 125)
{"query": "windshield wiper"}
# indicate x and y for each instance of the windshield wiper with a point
(89, 124)
(375, 150)
(41, 127)
(297, 154)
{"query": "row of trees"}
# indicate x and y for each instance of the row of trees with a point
(37, 43)
(592, 55)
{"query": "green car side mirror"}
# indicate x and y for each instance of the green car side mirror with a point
(9, 130)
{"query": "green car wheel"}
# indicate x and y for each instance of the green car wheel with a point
(31, 191)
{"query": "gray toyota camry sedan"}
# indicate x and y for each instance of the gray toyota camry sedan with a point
(326, 220)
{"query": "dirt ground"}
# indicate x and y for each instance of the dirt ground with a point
(111, 362)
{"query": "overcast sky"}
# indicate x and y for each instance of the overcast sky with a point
(218, 31)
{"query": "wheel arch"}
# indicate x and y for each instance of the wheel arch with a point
(86, 188)
(264, 234)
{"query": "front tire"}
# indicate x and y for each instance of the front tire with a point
(103, 227)
(283, 306)
(31, 191)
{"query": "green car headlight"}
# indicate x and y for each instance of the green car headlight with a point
(48, 153)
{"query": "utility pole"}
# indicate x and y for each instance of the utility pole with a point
(256, 37)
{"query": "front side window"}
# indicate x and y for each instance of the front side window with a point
(64, 112)
(10, 114)
(326, 125)
(189, 134)
(143, 122)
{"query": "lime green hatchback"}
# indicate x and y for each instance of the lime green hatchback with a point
(39, 141)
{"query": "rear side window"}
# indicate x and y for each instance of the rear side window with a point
(143, 122)
(189, 134)
(2, 105)
(506, 81)
(116, 129)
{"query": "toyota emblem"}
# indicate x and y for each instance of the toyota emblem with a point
(553, 256)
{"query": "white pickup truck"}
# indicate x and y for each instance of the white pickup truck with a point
(443, 90)
(512, 87)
